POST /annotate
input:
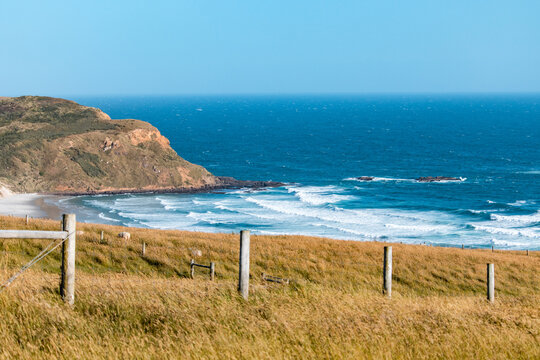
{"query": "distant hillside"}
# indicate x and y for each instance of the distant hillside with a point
(58, 146)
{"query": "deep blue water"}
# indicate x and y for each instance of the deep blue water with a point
(319, 143)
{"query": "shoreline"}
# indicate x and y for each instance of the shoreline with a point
(33, 205)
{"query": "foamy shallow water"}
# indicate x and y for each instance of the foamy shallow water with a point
(340, 212)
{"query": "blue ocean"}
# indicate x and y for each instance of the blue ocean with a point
(320, 145)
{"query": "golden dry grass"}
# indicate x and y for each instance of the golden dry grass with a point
(128, 306)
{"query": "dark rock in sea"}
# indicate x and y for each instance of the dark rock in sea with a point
(229, 182)
(437, 178)
(365, 178)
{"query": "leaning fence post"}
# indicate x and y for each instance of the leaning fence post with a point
(243, 280)
(387, 271)
(67, 282)
(212, 270)
(491, 282)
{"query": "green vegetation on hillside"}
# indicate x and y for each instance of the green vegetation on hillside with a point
(56, 145)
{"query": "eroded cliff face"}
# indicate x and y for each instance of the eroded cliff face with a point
(53, 145)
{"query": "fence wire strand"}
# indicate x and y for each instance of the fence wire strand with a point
(46, 251)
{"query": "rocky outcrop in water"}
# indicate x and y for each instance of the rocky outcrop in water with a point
(437, 178)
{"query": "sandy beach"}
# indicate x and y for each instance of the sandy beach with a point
(33, 205)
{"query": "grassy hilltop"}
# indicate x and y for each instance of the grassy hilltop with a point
(129, 306)
(56, 145)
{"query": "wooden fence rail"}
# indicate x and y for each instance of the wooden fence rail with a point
(67, 235)
(33, 234)
(211, 267)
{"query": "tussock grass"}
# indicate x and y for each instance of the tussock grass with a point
(128, 306)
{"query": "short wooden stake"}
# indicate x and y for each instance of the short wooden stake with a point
(243, 279)
(527, 252)
(192, 268)
(26, 219)
(492, 248)
(212, 271)
(462, 247)
(491, 282)
(101, 238)
(143, 250)
(67, 282)
(387, 271)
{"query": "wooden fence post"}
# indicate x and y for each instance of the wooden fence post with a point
(67, 283)
(192, 268)
(101, 238)
(243, 280)
(491, 282)
(212, 271)
(143, 250)
(26, 219)
(387, 271)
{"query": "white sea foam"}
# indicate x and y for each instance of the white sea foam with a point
(520, 219)
(530, 233)
(422, 228)
(375, 178)
(478, 211)
(102, 216)
(508, 243)
(522, 203)
(351, 231)
(319, 195)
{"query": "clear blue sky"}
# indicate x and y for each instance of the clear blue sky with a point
(64, 48)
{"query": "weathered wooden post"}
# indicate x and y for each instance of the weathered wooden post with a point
(387, 271)
(212, 271)
(491, 282)
(67, 282)
(192, 268)
(492, 248)
(143, 250)
(26, 219)
(101, 238)
(243, 280)
(527, 252)
(462, 247)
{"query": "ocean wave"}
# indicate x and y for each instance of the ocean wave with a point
(472, 211)
(215, 218)
(422, 228)
(519, 203)
(354, 232)
(102, 216)
(319, 195)
(366, 222)
(506, 243)
(507, 231)
(520, 219)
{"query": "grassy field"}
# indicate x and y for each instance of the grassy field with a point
(129, 306)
